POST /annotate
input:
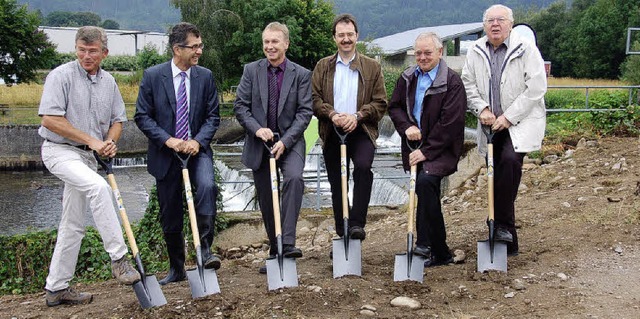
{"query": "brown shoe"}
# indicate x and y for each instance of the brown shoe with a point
(124, 272)
(67, 296)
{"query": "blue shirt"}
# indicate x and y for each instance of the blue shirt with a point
(345, 87)
(425, 79)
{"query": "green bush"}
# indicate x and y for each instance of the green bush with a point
(120, 63)
(391, 75)
(24, 268)
(149, 57)
(571, 126)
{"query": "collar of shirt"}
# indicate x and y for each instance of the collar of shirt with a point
(432, 73)
(86, 74)
(339, 60)
(175, 71)
(282, 66)
(505, 43)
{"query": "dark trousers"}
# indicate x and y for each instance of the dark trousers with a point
(291, 164)
(507, 176)
(360, 151)
(429, 220)
(170, 196)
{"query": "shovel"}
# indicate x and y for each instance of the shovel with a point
(281, 272)
(147, 290)
(407, 265)
(347, 256)
(203, 281)
(492, 255)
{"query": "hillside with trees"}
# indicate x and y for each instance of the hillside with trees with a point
(376, 17)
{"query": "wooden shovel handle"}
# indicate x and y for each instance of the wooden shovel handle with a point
(490, 184)
(123, 214)
(343, 180)
(192, 210)
(412, 198)
(274, 196)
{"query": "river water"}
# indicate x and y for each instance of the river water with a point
(32, 200)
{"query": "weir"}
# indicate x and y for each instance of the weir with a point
(31, 200)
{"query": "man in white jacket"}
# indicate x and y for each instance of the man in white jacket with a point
(505, 81)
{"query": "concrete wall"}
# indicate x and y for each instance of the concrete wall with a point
(20, 144)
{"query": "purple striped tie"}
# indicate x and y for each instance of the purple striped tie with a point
(182, 112)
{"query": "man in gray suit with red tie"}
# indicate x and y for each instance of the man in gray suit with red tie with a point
(177, 109)
(274, 99)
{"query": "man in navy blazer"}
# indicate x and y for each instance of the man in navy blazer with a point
(274, 96)
(181, 89)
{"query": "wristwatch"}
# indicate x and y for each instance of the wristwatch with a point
(357, 116)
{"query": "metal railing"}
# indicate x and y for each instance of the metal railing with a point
(586, 102)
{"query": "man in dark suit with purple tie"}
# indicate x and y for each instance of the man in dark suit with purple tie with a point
(177, 109)
(274, 97)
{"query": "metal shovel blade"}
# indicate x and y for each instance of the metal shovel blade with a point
(402, 271)
(149, 293)
(347, 262)
(499, 262)
(204, 285)
(281, 277)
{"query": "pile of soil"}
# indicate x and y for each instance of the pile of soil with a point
(578, 216)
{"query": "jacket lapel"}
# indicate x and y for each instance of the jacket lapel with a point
(194, 92)
(167, 81)
(263, 83)
(287, 82)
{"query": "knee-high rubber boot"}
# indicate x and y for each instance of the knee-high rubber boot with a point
(175, 249)
(205, 227)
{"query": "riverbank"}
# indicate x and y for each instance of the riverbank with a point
(20, 144)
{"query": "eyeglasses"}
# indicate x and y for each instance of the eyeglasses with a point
(500, 20)
(194, 47)
(91, 52)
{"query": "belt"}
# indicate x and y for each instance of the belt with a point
(82, 147)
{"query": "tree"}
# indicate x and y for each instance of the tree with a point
(110, 24)
(232, 31)
(23, 48)
(72, 19)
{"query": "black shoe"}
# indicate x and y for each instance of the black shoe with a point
(424, 251)
(434, 261)
(290, 251)
(173, 276)
(512, 253)
(262, 270)
(212, 262)
(503, 235)
(357, 232)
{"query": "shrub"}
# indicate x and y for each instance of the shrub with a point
(24, 268)
(149, 57)
(120, 63)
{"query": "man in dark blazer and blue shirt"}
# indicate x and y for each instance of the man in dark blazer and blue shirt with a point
(274, 96)
(177, 109)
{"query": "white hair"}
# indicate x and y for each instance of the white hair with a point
(496, 6)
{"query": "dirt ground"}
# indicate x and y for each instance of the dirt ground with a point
(579, 227)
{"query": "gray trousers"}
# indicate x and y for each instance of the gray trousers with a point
(292, 186)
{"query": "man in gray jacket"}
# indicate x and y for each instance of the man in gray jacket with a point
(505, 81)
(274, 97)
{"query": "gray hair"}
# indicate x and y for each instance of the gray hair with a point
(91, 34)
(277, 26)
(496, 6)
(429, 35)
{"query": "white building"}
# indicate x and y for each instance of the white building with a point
(121, 42)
